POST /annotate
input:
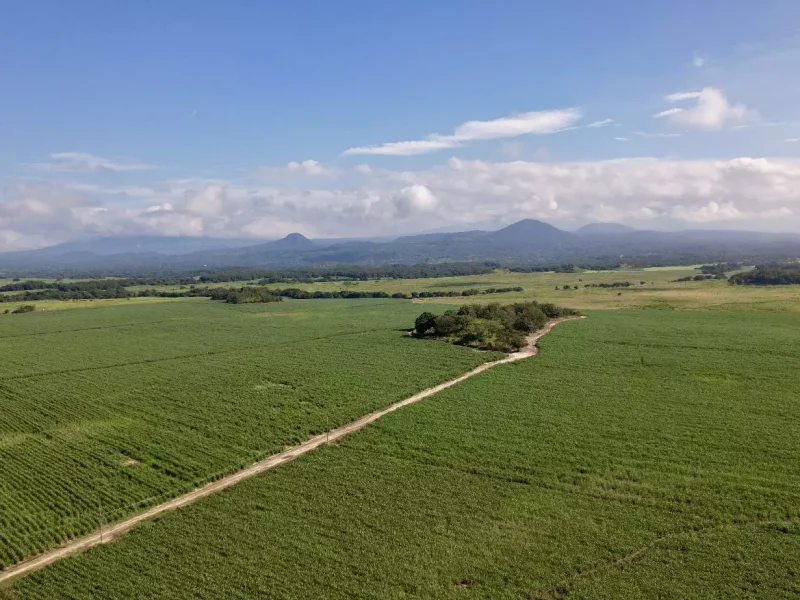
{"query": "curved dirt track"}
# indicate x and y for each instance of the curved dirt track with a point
(109, 533)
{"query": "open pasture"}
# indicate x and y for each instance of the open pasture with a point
(659, 290)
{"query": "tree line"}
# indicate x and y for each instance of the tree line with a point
(114, 288)
(771, 274)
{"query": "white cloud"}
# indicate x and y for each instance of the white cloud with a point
(82, 162)
(307, 168)
(413, 200)
(403, 148)
(678, 96)
(648, 192)
(699, 61)
(658, 135)
(711, 111)
(603, 123)
(622, 139)
(541, 122)
(538, 122)
(363, 169)
(791, 140)
(312, 168)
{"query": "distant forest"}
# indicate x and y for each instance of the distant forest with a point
(772, 274)
(300, 275)
(102, 289)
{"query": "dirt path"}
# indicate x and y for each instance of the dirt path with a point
(112, 531)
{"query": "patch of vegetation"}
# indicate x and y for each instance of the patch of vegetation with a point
(613, 284)
(642, 454)
(700, 277)
(25, 308)
(720, 268)
(245, 295)
(489, 326)
(773, 274)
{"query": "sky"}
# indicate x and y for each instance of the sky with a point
(363, 119)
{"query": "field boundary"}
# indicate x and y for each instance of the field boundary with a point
(112, 531)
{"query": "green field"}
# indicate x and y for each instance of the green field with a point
(648, 452)
(121, 407)
(659, 290)
(642, 454)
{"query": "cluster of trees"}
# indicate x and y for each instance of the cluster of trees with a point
(25, 308)
(720, 268)
(615, 284)
(77, 290)
(489, 326)
(454, 294)
(700, 277)
(90, 285)
(218, 293)
(565, 268)
(351, 272)
(772, 274)
(318, 295)
(244, 295)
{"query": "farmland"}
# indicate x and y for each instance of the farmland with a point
(105, 411)
(648, 451)
(651, 288)
(641, 454)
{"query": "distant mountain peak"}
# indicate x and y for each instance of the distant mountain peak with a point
(529, 231)
(293, 241)
(296, 238)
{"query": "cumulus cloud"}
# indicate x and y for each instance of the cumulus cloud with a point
(35, 213)
(537, 122)
(307, 168)
(647, 192)
(82, 162)
(712, 110)
(413, 200)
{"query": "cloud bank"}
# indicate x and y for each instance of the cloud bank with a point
(645, 192)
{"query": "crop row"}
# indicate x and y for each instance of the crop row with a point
(108, 420)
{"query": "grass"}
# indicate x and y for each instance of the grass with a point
(120, 407)
(49, 305)
(659, 291)
(641, 454)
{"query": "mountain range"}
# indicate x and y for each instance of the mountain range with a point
(525, 242)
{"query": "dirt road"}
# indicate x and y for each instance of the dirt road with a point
(114, 530)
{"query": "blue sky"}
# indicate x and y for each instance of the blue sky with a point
(257, 118)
